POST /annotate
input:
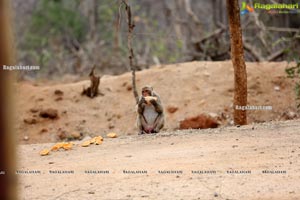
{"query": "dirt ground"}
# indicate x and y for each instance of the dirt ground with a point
(235, 156)
(223, 163)
(192, 88)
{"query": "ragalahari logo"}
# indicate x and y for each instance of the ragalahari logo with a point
(246, 8)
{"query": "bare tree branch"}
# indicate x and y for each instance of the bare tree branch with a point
(280, 29)
(129, 44)
(253, 51)
(276, 55)
(281, 52)
(190, 12)
(216, 33)
(261, 33)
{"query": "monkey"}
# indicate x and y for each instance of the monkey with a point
(150, 113)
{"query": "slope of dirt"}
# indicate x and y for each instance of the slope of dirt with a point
(192, 88)
(269, 146)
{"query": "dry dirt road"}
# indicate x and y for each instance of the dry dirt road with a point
(235, 157)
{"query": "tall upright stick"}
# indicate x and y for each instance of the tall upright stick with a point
(8, 182)
(238, 61)
(129, 44)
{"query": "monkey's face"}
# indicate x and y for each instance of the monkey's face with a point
(146, 93)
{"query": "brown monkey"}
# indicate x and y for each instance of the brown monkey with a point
(150, 112)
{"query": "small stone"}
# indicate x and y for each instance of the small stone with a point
(118, 116)
(30, 121)
(58, 99)
(129, 88)
(172, 109)
(277, 88)
(44, 130)
(206, 74)
(76, 135)
(58, 92)
(213, 115)
(25, 138)
(111, 126)
(34, 110)
(62, 135)
(291, 115)
(91, 192)
(49, 113)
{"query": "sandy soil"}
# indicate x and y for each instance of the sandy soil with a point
(193, 88)
(269, 146)
(235, 156)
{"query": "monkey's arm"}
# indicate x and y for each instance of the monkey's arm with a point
(141, 105)
(141, 120)
(159, 121)
(157, 105)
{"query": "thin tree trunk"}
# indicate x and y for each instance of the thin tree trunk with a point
(8, 182)
(237, 57)
(215, 13)
(129, 44)
(220, 10)
(116, 34)
(93, 18)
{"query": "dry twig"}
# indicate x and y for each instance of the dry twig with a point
(129, 44)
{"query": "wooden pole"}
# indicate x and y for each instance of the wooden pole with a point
(8, 181)
(238, 61)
